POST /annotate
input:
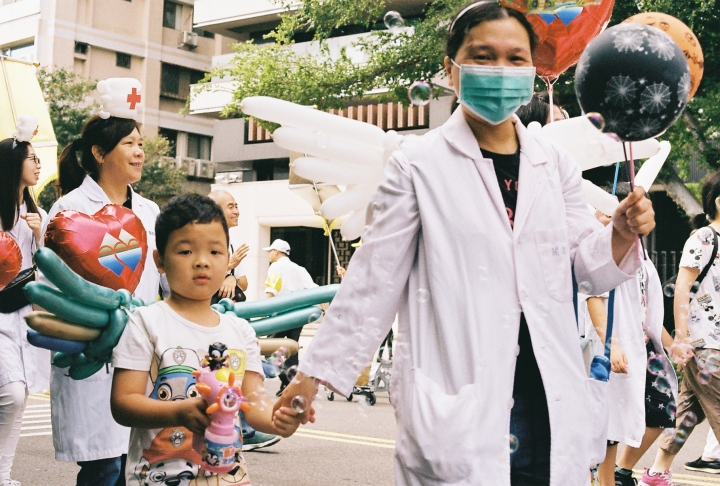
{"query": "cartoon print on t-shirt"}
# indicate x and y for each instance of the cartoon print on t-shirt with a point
(170, 460)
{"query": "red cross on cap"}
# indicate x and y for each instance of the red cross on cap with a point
(133, 98)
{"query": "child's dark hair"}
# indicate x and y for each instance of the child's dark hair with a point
(185, 209)
(710, 192)
(482, 12)
(12, 157)
(104, 133)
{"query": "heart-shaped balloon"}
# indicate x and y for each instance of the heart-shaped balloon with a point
(564, 35)
(107, 248)
(10, 259)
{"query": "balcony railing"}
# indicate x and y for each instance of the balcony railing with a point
(388, 116)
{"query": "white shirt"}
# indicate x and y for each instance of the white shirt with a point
(439, 252)
(704, 311)
(285, 276)
(83, 427)
(19, 360)
(169, 348)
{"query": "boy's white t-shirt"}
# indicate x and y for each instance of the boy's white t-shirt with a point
(169, 347)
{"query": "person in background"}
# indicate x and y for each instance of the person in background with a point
(697, 314)
(284, 277)
(237, 275)
(539, 110)
(24, 369)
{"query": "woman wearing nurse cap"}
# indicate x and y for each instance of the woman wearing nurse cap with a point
(476, 232)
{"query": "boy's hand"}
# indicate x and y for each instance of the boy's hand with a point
(618, 360)
(191, 414)
(300, 386)
(286, 420)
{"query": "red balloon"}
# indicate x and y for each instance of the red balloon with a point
(10, 259)
(560, 45)
(107, 248)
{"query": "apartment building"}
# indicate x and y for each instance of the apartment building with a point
(273, 203)
(151, 40)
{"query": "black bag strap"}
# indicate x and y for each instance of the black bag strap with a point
(705, 270)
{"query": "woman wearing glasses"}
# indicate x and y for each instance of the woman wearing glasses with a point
(24, 369)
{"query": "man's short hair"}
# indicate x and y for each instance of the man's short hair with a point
(185, 209)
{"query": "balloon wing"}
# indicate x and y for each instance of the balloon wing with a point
(592, 148)
(338, 151)
(82, 321)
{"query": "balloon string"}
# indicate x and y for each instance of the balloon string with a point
(630, 166)
(617, 174)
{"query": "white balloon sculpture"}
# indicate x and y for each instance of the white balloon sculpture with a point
(349, 152)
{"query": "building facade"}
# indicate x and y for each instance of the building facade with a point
(151, 40)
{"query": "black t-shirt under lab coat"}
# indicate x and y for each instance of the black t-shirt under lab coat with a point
(527, 374)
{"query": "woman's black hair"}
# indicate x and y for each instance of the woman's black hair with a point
(710, 192)
(535, 111)
(12, 158)
(183, 210)
(106, 134)
(482, 12)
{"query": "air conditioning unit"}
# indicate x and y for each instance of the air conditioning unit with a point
(188, 39)
(188, 165)
(205, 169)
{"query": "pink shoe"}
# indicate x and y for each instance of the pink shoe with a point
(656, 479)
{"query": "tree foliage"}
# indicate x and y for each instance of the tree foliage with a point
(161, 180)
(395, 60)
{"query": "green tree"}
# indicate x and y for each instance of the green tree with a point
(395, 60)
(69, 104)
(161, 180)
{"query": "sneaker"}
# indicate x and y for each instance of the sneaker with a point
(656, 479)
(624, 479)
(259, 440)
(712, 467)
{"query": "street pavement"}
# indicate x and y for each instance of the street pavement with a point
(352, 443)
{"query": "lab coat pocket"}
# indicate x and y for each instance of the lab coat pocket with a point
(598, 418)
(554, 253)
(433, 438)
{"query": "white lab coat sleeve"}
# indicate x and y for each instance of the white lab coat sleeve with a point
(364, 308)
(591, 244)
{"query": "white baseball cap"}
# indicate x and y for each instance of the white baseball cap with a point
(279, 245)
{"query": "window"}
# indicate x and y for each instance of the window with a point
(25, 52)
(199, 146)
(171, 136)
(81, 48)
(175, 80)
(122, 60)
(172, 15)
(204, 33)
(170, 79)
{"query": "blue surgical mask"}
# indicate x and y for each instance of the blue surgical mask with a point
(494, 92)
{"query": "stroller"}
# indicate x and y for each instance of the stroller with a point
(380, 381)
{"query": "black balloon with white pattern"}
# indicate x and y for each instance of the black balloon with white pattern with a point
(636, 77)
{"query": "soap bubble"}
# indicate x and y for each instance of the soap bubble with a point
(655, 365)
(299, 404)
(420, 93)
(704, 377)
(661, 384)
(694, 289)
(514, 443)
(614, 137)
(681, 436)
(291, 372)
(423, 296)
(378, 207)
(597, 120)
(689, 420)
(394, 21)
(669, 289)
(314, 316)
(671, 409)
(711, 364)
(585, 288)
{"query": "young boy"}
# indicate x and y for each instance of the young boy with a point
(154, 390)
